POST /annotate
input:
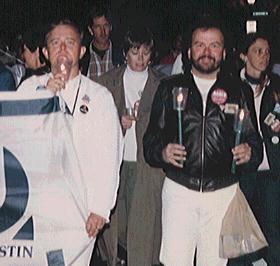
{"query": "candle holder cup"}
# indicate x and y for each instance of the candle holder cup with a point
(240, 124)
(180, 96)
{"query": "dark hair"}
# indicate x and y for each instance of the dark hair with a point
(244, 45)
(99, 10)
(206, 22)
(250, 39)
(137, 36)
(64, 22)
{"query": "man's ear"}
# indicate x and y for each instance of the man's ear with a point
(45, 53)
(189, 53)
(243, 57)
(90, 30)
(224, 54)
(82, 52)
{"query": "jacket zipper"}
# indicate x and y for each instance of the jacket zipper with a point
(202, 152)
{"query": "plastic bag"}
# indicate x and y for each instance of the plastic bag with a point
(240, 232)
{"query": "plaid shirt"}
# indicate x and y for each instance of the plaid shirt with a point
(97, 65)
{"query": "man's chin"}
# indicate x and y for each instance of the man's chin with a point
(62, 58)
(206, 69)
(209, 70)
(103, 40)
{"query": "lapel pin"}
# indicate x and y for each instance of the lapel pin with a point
(275, 140)
(86, 99)
(84, 109)
(277, 108)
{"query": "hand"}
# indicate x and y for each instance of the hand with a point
(94, 224)
(276, 126)
(126, 121)
(242, 153)
(174, 153)
(56, 83)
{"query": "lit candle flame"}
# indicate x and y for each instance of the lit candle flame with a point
(62, 67)
(251, 2)
(180, 98)
(241, 115)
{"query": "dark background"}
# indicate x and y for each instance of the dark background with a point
(164, 17)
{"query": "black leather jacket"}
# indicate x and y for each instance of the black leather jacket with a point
(208, 138)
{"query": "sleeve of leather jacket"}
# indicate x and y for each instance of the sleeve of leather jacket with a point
(153, 140)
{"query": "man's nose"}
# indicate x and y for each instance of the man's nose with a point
(103, 31)
(207, 50)
(62, 46)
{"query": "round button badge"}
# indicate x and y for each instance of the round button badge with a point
(83, 109)
(219, 96)
(275, 140)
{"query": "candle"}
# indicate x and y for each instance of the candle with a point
(180, 99)
(180, 127)
(240, 120)
(238, 136)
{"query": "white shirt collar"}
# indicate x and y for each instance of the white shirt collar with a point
(137, 74)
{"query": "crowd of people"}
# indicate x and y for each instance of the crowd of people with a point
(180, 168)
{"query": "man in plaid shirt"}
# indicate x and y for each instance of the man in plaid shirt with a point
(99, 56)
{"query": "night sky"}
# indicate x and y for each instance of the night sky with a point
(164, 17)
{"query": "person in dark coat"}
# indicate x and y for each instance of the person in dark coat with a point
(262, 189)
(136, 223)
(197, 157)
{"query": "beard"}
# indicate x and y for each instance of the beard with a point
(211, 67)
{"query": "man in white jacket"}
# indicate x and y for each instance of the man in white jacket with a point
(96, 131)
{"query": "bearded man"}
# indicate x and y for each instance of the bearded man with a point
(199, 185)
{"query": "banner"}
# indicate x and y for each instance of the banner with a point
(42, 193)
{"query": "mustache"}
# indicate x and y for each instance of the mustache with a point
(206, 56)
(62, 54)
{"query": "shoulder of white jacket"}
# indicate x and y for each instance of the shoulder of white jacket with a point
(34, 81)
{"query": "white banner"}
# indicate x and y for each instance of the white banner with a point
(42, 202)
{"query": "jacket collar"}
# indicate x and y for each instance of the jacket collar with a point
(243, 77)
